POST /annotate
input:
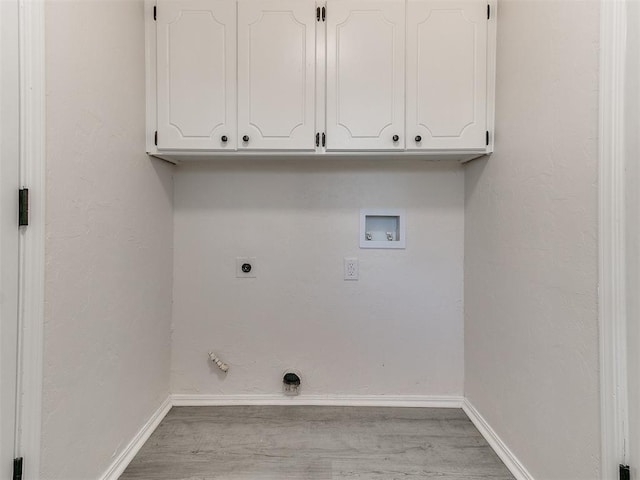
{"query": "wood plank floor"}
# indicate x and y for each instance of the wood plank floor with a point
(315, 443)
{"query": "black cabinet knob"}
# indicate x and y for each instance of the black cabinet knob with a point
(418, 138)
(224, 139)
(396, 138)
(245, 138)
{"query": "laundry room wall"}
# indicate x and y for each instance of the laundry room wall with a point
(397, 331)
(109, 236)
(531, 253)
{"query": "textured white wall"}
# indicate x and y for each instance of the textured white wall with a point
(398, 330)
(109, 241)
(531, 327)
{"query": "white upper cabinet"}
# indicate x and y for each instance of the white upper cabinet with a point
(196, 74)
(304, 76)
(276, 74)
(446, 74)
(365, 75)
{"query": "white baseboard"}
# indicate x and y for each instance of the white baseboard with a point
(121, 462)
(432, 401)
(507, 456)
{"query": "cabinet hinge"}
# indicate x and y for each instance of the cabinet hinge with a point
(488, 11)
(324, 13)
(487, 138)
(155, 12)
(23, 207)
(625, 473)
(17, 468)
(318, 14)
(324, 139)
(317, 139)
(155, 138)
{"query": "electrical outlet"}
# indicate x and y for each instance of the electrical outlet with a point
(246, 267)
(351, 268)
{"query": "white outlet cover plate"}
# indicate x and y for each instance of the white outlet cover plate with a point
(241, 261)
(351, 268)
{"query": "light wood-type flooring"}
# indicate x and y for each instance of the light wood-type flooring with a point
(316, 443)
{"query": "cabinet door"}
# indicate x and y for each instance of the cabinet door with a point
(196, 74)
(276, 74)
(446, 74)
(365, 75)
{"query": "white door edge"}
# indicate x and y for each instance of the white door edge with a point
(9, 248)
(612, 232)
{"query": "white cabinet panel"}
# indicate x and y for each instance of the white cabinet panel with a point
(377, 75)
(276, 74)
(446, 74)
(365, 75)
(196, 74)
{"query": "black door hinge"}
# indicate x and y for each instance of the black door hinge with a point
(324, 139)
(487, 138)
(17, 468)
(625, 474)
(324, 13)
(155, 12)
(155, 138)
(23, 207)
(318, 14)
(488, 12)
(317, 139)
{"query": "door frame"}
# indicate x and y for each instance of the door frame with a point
(612, 291)
(32, 238)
